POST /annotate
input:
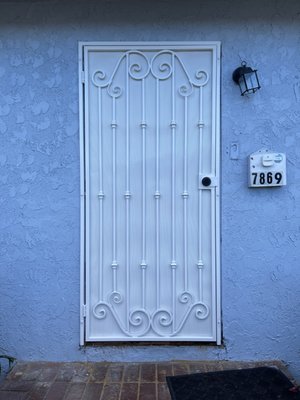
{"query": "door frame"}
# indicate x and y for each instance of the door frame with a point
(215, 47)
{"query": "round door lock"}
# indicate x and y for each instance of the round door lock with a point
(206, 181)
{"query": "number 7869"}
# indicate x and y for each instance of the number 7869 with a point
(266, 178)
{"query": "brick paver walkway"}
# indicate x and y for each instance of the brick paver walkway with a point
(103, 381)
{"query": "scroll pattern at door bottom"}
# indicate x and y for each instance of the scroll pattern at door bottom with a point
(141, 321)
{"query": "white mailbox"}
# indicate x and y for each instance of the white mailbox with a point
(267, 169)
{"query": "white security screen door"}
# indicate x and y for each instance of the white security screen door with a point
(150, 190)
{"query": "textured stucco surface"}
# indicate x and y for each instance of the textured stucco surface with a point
(39, 159)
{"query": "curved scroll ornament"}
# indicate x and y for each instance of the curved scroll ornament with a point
(161, 322)
(139, 321)
(201, 78)
(186, 89)
(115, 297)
(185, 297)
(138, 65)
(201, 310)
(102, 309)
(162, 64)
(114, 90)
(100, 79)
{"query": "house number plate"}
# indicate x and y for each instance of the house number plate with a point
(267, 169)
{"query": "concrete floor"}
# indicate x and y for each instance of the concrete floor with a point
(104, 381)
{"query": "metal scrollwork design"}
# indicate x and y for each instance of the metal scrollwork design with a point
(186, 89)
(161, 66)
(138, 65)
(116, 297)
(185, 298)
(100, 310)
(162, 319)
(202, 78)
(140, 321)
(100, 79)
(114, 90)
(202, 310)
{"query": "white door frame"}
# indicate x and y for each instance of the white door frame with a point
(215, 47)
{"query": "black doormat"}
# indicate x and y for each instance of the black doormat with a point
(264, 383)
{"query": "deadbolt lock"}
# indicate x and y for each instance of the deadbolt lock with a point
(206, 181)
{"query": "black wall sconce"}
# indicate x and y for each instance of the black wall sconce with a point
(246, 78)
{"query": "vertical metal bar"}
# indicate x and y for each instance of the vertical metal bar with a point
(200, 169)
(143, 126)
(185, 195)
(127, 195)
(217, 51)
(213, 255)
(143, 263)
(143, 287)
(174, 297)
(213, 192)
(173, 204)
(100, 195)
(157, 196)
(82, 193)
(114, 196)
(87, 191)
(173, 127)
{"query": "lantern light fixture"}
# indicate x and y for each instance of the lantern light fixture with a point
(246, 78)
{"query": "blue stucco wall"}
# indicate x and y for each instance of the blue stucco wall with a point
(39, 160)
